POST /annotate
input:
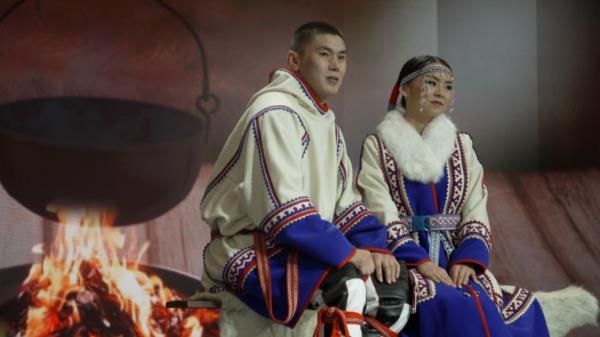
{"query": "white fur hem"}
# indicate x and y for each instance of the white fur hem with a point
(568, 309)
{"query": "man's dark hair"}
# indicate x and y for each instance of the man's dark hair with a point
(305, 33)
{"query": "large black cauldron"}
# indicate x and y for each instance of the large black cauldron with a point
(140, 158)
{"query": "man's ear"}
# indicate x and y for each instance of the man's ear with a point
(293, 60)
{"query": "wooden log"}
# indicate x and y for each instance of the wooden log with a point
(520, 255)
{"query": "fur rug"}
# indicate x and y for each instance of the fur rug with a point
(567, 309)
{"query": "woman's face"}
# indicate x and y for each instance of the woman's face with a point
(430, 94)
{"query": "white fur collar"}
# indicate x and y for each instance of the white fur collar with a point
(420, 157)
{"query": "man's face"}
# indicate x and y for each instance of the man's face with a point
(322, 63)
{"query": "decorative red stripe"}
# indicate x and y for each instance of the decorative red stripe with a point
(418, 263)
(251, 266)
(284, 206)
(394, 95)
(322, 107)
(264, 278)
(276, 230)
(470, 261)
(383, 330)
(435, 198)
(354, 317)
(313, 292)
(237, 153)
(262, 157)
(480, 309)
(355, 221)
(334, 316)
(341, 264)
(351, 209)
(378, 250)
(347, 211)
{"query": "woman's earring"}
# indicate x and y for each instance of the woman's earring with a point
(451, 107)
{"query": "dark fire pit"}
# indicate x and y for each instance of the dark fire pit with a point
(142, 159)
(12, 309)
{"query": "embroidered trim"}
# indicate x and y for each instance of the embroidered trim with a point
(435, 241)
(264, 169)
(339, 142)
(242, 263)
(423, 288)
(487, 281)
(519, 303)
(476, 230)
(457, 179)
(435, 68)
(322, 108)
(351, 216)
(436, 222)
(236, 156)
(449, 241)
(264, 278)
(343, 175)
(397, 235)
(394, 180)
(305, 140)
(286, 214)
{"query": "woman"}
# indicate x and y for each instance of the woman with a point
(422, 179)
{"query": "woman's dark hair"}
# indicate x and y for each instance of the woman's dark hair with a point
(417, 63)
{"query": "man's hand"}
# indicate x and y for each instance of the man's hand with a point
(363, 261)
(386, 264)
(435, 273)
(460, 274)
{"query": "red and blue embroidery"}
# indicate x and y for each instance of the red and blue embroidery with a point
(351, 216)
(457, 179)
(287, 214)
(322, 108)
(487, 281)
(236, 156)
(517, 305)
(475, 230)
(394, 180)
(263, 163)
(398, 235)
(242, 263)
(423, 288)
(305, 141)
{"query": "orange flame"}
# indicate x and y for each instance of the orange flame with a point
(83, 269)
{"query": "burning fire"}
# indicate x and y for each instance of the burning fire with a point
(83, 288)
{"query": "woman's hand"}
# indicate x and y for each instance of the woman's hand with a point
(460, 274)
(435, 273)
(388, 265)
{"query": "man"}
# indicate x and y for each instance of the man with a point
(289, 228)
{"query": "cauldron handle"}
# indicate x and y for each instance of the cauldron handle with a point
(207, 103)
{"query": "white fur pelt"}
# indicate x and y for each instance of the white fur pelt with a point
(421, 157)
(567, 309)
